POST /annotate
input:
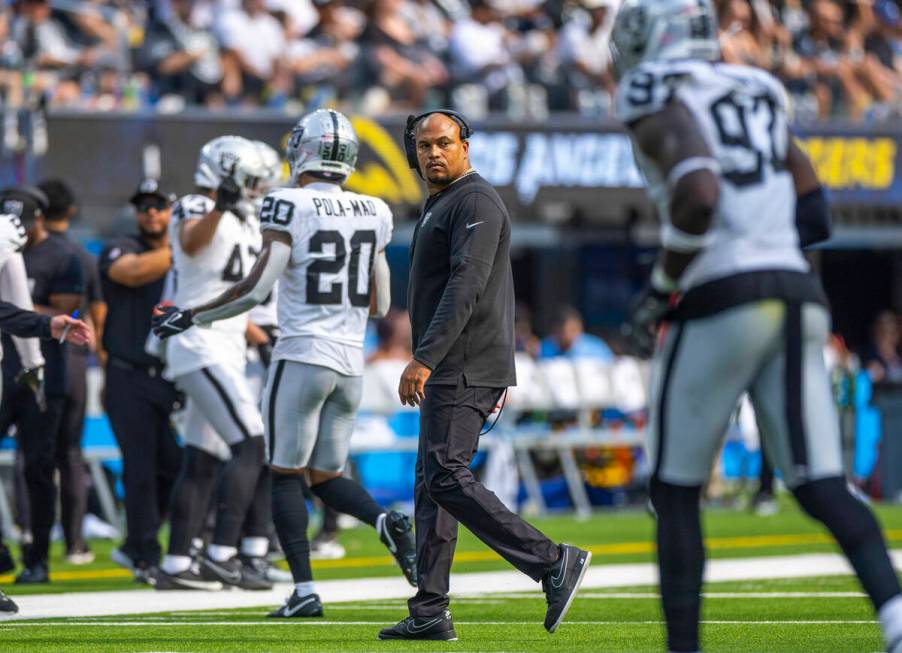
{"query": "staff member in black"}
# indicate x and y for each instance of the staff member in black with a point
(461, 303)
(72, 474)
(28, 324)
(138, 400)
(57, 283)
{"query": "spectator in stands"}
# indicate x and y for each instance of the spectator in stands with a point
(568, 338)
(740, 42)
(253, 43)
(883, 357)
(397, 59)
(846, 78)
(480, 54)
(183, 60)
(883, 40)
(325, 58)
(585, 55)
(299, 15)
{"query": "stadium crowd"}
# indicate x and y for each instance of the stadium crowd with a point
(838, 58)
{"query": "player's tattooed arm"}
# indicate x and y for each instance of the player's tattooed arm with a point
(255, 287)
(672, 140)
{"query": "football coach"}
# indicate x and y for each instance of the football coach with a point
(461, 302)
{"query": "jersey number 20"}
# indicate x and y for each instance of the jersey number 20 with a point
(359, 241)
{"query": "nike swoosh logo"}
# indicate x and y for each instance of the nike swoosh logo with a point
(197, 584)
(412, 628)
(172, 318)
(290, 611)
(556, 582)
(470, 226)
(390, 541)
(232, 577)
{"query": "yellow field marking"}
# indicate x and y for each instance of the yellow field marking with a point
(622, 548)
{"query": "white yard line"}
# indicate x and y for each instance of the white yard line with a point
(87, 604)
(310, 623)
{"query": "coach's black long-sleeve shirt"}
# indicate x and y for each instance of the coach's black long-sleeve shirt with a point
(461, 290)
(23, 324)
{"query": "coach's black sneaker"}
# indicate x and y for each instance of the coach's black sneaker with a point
(396, 534)
(7, 563)
(438, 628)
(7, 605)
(562, 582)
(233, 573)
(299, 606)
(33, 575)
(184, 580)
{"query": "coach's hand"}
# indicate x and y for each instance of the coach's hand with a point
(412, 388)
(169, 320)
(646, 315)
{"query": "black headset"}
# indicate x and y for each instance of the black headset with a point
(26, 202)
(410, 137)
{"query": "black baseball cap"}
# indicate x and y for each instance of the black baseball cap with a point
(150, 188)
(25, 202)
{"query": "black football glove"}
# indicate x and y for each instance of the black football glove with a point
(646, 314)
(171, 320)
(228, 194)
(33, 379)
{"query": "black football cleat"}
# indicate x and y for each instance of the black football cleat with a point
(232, 573)
(266, 569)
(299, 607)
(7, 605)
(562, 582)
(34, 575)
(397, 535)
(184, 580)
(432, 628)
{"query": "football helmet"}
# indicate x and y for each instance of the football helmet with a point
(325, 143)
(272, 163)
(660, 30)
(235, 156)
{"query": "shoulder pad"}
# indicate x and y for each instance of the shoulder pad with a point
(650, 87)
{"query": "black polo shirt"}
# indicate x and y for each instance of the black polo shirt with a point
(53, 268)
(461, 290)
(92, 292)
(129, 309)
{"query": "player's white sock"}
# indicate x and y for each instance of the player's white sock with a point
(175, 564)
(197, 544)
(891, 619)
(304, 589)
(220, 553)
(254, 547)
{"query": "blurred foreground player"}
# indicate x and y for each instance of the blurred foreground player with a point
(138, 400)
(461, 303)
(56, 282)
(737, 199)
(327, 245)
(25, 325)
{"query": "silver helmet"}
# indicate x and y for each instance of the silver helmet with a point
(272, 163)
(323, 142)
(658, 30)
(235, 156)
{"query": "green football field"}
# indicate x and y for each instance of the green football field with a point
(823, 613)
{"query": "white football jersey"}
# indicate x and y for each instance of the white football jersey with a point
(742, 114)
(324, 294)
(226, 260)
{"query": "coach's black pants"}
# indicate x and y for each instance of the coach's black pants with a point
(446, 492)
(138, 403)
(36, 437)
(69, 461)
